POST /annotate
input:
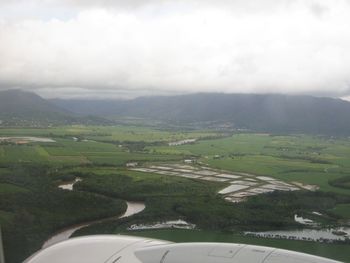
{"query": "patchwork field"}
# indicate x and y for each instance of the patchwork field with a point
(240, 185)
(69, 152)
(307, 159)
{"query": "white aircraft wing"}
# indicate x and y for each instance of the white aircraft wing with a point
(124, 249)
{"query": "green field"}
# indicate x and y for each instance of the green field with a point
(30, 173)
(342, 210)
(307, 159)
(109, 133)
(100, 145)
(68, 152)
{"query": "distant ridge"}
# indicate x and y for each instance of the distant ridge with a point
(271, 113)
(21, 108)
(263, 113)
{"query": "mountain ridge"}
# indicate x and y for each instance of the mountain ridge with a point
(271, 113)
(256, 112)
(22, 108)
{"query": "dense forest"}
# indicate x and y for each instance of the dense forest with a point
(33, 208)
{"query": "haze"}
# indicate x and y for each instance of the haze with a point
(113, 49)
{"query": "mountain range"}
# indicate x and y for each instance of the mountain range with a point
(264, 113)
(273, 113)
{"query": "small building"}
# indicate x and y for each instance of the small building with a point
(189, 161)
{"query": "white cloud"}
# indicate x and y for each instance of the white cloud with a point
(177, 46)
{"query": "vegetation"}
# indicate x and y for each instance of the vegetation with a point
(342, 182)
(19, 108)
(342, 210)
(32, 208)
(198, 202)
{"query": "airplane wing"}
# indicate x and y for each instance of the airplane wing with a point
(125, 249)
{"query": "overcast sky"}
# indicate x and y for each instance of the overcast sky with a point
(129, 48)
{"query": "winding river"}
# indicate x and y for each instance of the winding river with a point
(132, 209)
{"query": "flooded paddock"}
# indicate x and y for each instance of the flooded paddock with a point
(17, 139)
(182, 142)
(320, 235)
(177, 224)
(69, 185)
(242, 185)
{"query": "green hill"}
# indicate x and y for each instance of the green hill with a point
(20, 108)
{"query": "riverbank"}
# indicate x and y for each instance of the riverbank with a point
(64, 234)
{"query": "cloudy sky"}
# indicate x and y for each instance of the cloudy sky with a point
(121, 49)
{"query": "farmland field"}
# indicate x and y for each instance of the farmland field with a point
(313, 160)
(107, 133)
(31, 171)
